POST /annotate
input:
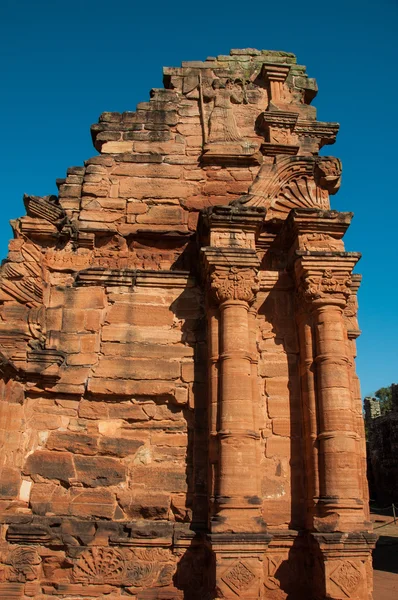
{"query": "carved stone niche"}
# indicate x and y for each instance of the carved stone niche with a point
(219, 93)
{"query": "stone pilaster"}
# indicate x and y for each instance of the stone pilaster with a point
(324, 282)
(309, 410)
(237, 533)
(237, 493)
(343, 565)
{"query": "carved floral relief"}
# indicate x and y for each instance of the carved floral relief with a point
(347, 577)
(24, 561)
(235, 284)
(318, 286)
(140, 568)
(239, 577)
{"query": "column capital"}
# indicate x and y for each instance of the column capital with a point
(234, 283)
(325, 279)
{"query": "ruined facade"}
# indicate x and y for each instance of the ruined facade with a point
(382, 450)
(180, 415)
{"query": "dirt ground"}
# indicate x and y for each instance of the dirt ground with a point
(385, 558)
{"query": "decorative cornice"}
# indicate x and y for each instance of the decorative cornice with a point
(134, 277)
(272, 149)
(46, 207)
(35, 365)
(325, 132)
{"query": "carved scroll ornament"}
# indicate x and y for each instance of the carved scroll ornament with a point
(234, 283)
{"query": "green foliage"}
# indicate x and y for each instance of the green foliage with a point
(384, 394)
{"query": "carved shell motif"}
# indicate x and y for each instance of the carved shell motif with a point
(100, 565)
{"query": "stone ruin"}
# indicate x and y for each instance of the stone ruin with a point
(382, 450)
(180, 415)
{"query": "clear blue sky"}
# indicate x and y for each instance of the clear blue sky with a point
(65, 62)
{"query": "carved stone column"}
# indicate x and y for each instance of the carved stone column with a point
(325, 283)
(237, 498)
(309, 408)
(237, 532)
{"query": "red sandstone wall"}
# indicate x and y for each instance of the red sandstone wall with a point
(107, 463)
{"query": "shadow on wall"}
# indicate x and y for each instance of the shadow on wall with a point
(195, 575)
(284, 448)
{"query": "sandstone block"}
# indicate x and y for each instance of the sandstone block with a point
(159, 479)
(145, 505)
(100, 215)
(89, 343)
(82, 359)
(130, 388)
(179, 506)
(73, 442)
(120, 447)
(278, 406)
(166, 215)
(164, 412)
(116, 147)
(73, 320)
(164, 117)
(136, 208)
(50, 465)
(91, 409)
(154, 335)
(278, 446)
(142, 350)
(170, 454)
(194, 141)
(74, 375)
(148, 170)
(171, 147)
(142, 187)
(169, 439)
(127, 411)
(273, 368)
(96, 471)
(126, 368)
(10, 481)
(281, 427)
(83, 298)
(138, 315)
(99, 503)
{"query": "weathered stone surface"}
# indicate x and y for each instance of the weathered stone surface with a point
(73, 442)
(50, 465)
(93, 503)
(145, 506)
(159, 479)
(177, 334)
(121, 447)
(126, 368)
(99, 471)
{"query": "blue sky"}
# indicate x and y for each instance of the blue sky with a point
(63, 63)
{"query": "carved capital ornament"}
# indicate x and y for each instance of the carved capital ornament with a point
(234, 283)
(325, 285)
